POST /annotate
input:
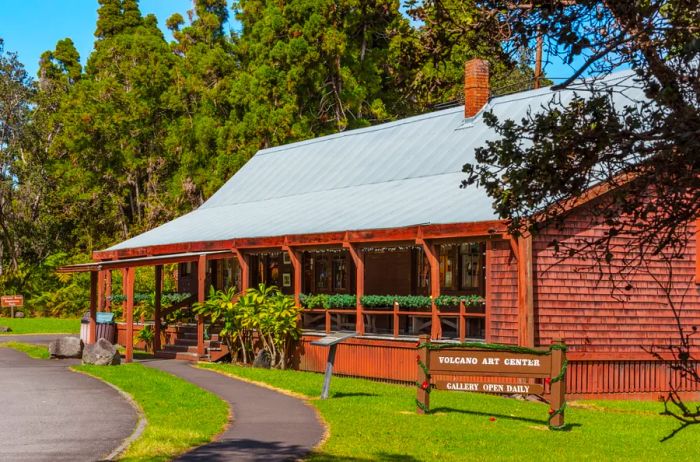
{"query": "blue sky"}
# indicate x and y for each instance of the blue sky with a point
(30, 27)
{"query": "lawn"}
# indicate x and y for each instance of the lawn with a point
(41, 325)
(180, 415)
(371, 421)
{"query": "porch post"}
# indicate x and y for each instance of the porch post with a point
(245, 270)
(100, 291)
(129, 274)
(526, 304)
(201, 287)
(296, 265)
(359, 285)
(156, 307)
(431, 255)
(108, 290)
(92, 327)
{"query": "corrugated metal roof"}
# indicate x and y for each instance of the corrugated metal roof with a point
(396, 174)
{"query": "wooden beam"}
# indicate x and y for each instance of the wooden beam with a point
(94, 289)
(488, 299)
(432, 256)
(128, 284)
(400, 234)
(108, 290)
(101, 277)
(245, 269)
(295, 258)
(156, 308)
(201, 296)
(359, 261)
(526, 304)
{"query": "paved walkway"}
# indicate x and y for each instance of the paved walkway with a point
(267, 425)
(48, 413)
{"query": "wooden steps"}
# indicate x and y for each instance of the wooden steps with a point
(185, 347)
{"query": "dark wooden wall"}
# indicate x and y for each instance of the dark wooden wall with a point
(388, 273)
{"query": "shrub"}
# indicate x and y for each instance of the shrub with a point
(328, 301)
(406, 301)
(453, 300)
(264, 311)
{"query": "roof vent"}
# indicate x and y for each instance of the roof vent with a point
(476, 86)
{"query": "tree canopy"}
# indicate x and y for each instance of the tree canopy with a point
(647, 147)
(103, 147)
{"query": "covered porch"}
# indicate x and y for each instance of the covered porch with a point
(383, 284)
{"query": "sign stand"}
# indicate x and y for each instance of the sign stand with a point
(12, 301)
(490, 362)
(331, 341)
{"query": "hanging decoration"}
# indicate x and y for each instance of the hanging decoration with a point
(384, 249)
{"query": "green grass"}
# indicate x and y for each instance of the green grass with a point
(180, 415)
(33, 351)
(372, 421)
(41, 325)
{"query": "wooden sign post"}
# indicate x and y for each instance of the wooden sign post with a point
(12, 301)
(463, 362)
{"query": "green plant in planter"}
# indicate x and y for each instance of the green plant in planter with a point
(405, 301)
(146, 335)
(327, 300)
(454, 300)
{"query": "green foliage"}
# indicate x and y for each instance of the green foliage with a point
(146, 335)
(141, 130)
(404, 301)
(328, 300)
(454, 300)
(262, 314)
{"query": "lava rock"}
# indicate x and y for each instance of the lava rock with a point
(5, 329)
(66, 347)
(101, 353)
(262, 360)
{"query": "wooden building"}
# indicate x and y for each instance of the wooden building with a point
(380, 211)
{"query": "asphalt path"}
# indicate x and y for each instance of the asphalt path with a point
(48, 413)
(267, 425)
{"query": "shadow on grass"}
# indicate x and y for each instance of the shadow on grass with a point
(340, 394)
(448, 410)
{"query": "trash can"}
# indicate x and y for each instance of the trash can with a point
(106, 328)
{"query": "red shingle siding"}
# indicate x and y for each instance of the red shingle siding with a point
(504, 294)
(573, 302)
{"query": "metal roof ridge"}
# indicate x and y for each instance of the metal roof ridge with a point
(360, 131)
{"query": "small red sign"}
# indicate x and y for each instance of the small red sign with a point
(9, 301)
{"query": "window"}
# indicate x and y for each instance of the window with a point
(185, 268)
(448, 265)
(322, 274)
(274, 271)
(339, 273)
(422, 270)
(472, 266)
(261, 270)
